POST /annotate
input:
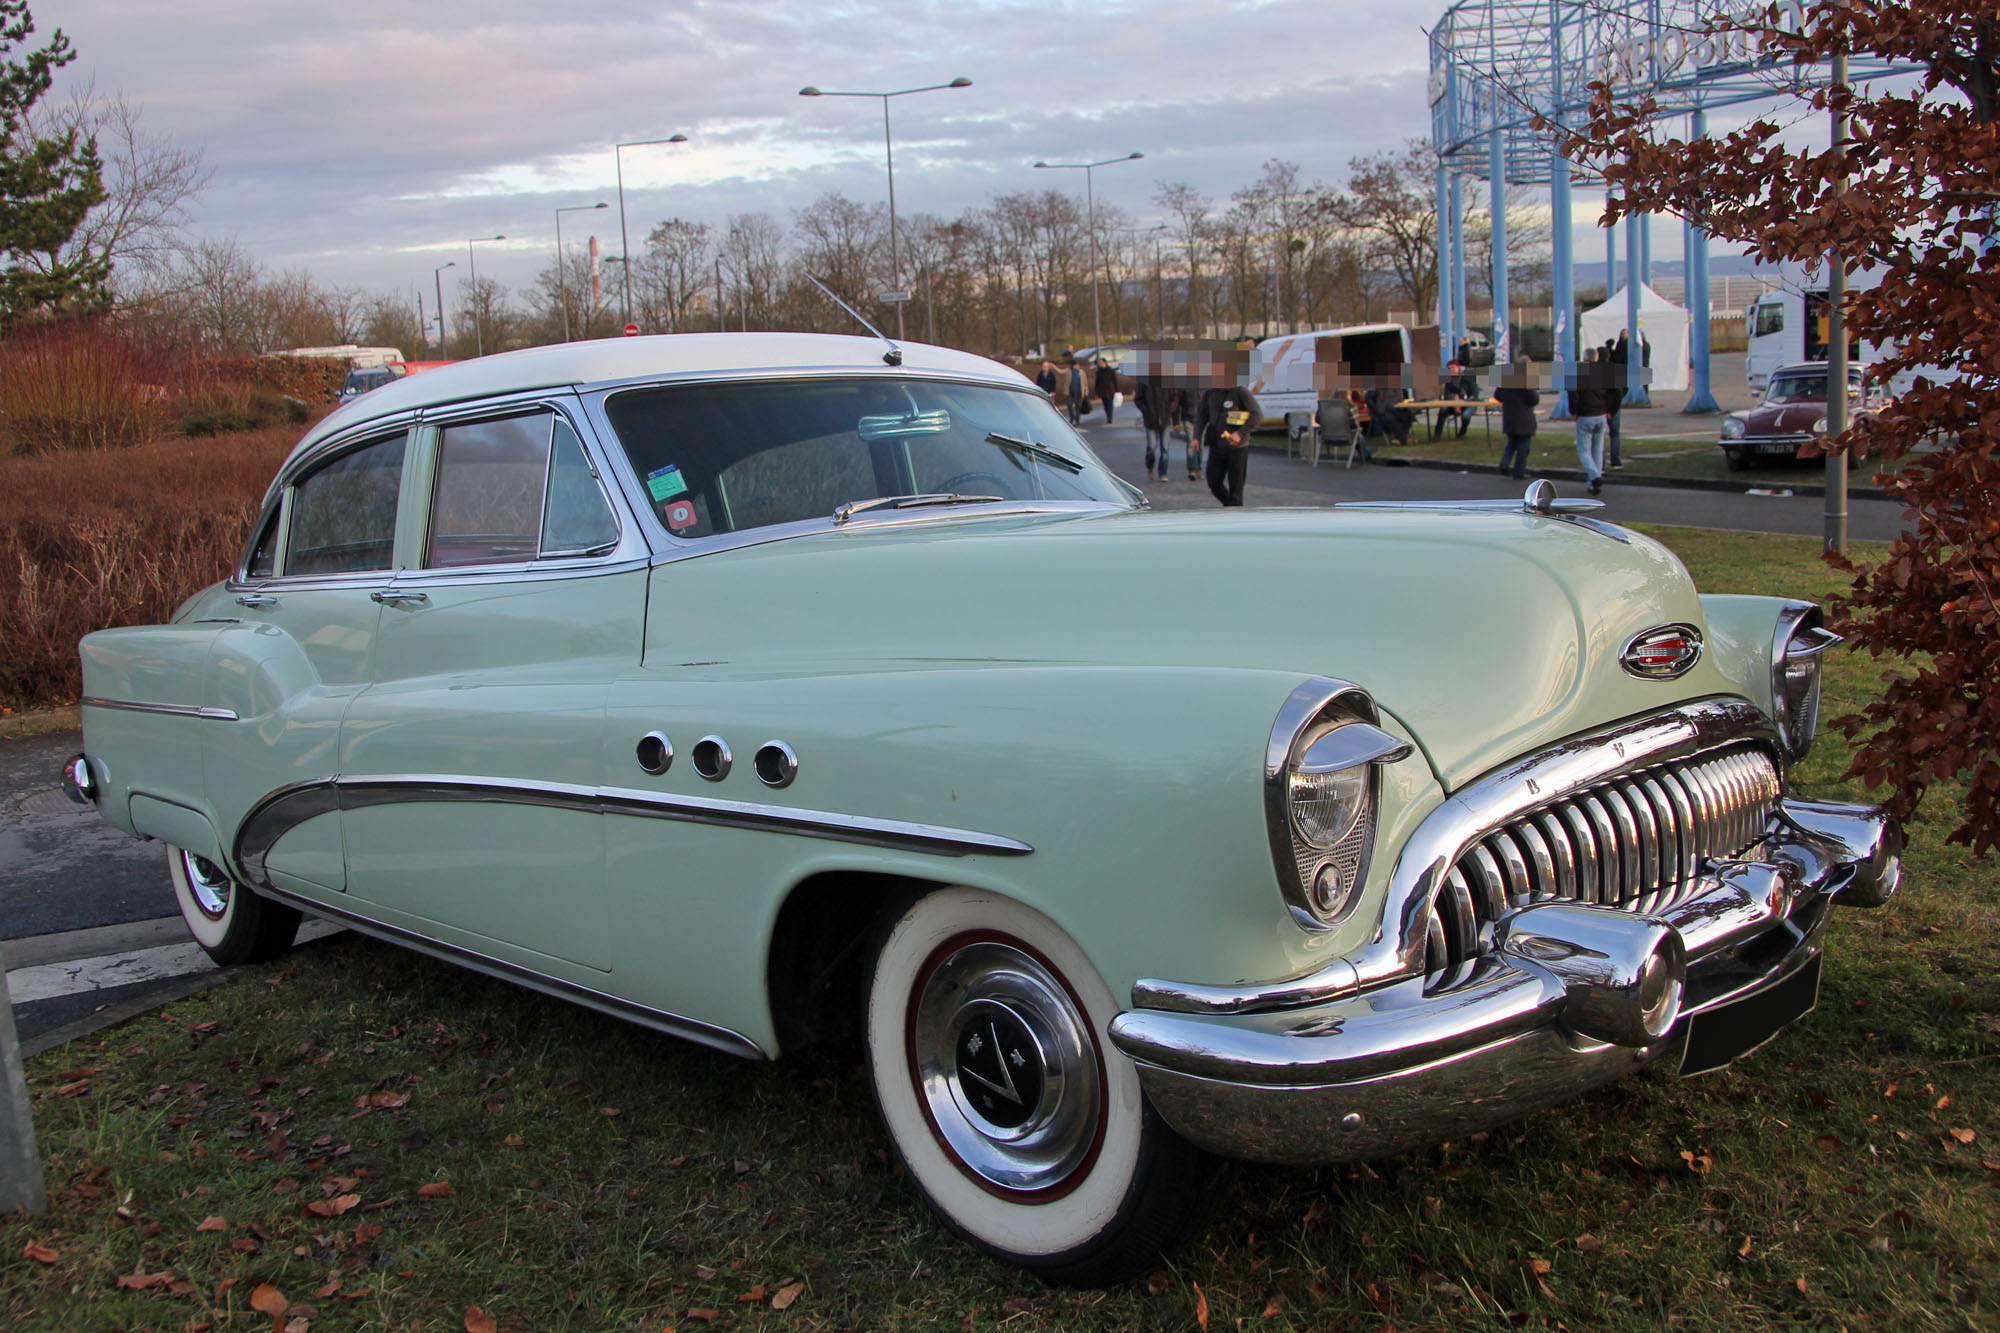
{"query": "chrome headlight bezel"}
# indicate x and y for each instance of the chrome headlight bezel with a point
(1322, 786)
(1797, 646)
(1734, 427)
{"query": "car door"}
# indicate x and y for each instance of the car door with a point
(470, 761)
(300, 649)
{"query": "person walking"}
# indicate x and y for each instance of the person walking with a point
(1621, 376)
(1151, 400)
(1106, 387)
(1074, 401)
(1046, 380)
(1518, 422)
(1587, 403)
(1223, 420)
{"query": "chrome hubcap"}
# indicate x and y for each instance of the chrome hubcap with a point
(1006, 1066)
(207, 885)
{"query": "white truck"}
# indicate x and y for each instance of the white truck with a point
(1360, 355)
(1790, 324)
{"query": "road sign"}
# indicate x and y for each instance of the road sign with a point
(631, 330)
(894, 298)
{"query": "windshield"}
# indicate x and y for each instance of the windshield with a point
(720, 458)
(1804, 388)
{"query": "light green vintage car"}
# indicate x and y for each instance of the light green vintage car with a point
(760, 688)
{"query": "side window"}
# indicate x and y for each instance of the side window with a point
(491, 479)
(263, 561)
(1770, 319)
(344, 514)
(575, 517)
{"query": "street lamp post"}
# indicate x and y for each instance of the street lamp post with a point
(472, 268)
(889, 152)
(624, 241)
(1090, 198)
(562, 282)
(437, 277)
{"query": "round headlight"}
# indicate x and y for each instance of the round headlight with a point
(1327, 806)
(1733, 428)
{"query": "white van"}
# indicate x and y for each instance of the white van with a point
(1281, 368)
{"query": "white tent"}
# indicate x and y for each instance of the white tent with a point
(1664, 323)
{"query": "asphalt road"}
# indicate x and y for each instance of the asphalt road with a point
(87, 919)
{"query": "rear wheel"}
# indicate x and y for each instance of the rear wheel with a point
(229, 921)
(1016, 1119)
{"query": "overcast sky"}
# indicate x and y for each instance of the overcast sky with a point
(365, 142)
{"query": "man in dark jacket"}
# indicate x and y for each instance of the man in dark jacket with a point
(1224, 416)
(1588, 402)
(1151, 400)
(1459, 385)
(1105, 385)
(1518, 422)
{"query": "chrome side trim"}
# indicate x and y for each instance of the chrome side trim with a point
(171, 710)
(287, 807)
(690, 1029)
(1500, 798)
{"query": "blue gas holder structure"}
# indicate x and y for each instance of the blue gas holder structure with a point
(1495, 65)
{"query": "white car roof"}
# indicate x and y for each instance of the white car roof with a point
(663, 356)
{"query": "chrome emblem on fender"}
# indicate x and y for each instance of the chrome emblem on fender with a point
(1665, 652)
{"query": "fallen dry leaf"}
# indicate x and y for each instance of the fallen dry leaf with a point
(1588, 1243)
(267, 1299)
(609, 1110)
(41, 1254)
(1829, 1143)
(1200, 1307)
(437, 1189)
(752, 1296)
(478, 1321)
(1743, 1250)
(212, 1223)
(786, 1294)
(140, 1280)
(333, 1207)
(513, 1140)
(1539, 1267)
(1964, 1135)
(1700, 1164)
(1273, 1307)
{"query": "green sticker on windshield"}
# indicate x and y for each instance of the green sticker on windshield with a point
(666, 483)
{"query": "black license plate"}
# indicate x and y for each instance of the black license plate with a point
(1728, 1032)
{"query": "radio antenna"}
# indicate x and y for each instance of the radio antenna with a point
(892, 357)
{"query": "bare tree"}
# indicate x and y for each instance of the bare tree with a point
(149, 183)
(484, 320)
(670, 281)
(388, 322)
(1191, 210)
(218, 285)
(845, 245)
(753, 259)
(1391, 202)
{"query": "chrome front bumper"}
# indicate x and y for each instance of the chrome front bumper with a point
(1572, 997)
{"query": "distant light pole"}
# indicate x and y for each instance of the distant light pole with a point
(472, 267)
(437, 276)
(1090, 197)
(889, 152)
(624, 241)
(562, 282)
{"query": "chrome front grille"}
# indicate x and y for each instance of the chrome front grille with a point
(1636, 841)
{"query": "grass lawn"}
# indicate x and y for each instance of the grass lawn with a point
(386, 1141)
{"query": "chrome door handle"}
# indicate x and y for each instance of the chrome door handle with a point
(256, 599)
(396, 597)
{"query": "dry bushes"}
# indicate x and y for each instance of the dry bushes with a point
(310, 379)
(77, 385)
(89, 540)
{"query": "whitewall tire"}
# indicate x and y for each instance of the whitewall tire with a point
(1023, 1127)
(229, 921)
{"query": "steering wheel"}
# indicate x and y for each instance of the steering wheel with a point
(995, 486)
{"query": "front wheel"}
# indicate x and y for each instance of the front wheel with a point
(1737, 458)
(1019, 1123)
(229, 921)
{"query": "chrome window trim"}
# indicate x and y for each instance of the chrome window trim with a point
(871, 522)
(622, 554)
(279, 494)
(279, 811)
(171, 710)
(707, 1034)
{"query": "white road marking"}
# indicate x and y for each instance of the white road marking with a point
(49, 981)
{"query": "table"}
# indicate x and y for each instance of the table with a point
(1486, 406)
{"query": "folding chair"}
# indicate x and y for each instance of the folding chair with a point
(1337, 423)
(1299, 434)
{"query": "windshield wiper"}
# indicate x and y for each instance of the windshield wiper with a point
(853, 507)
(1041, 451)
